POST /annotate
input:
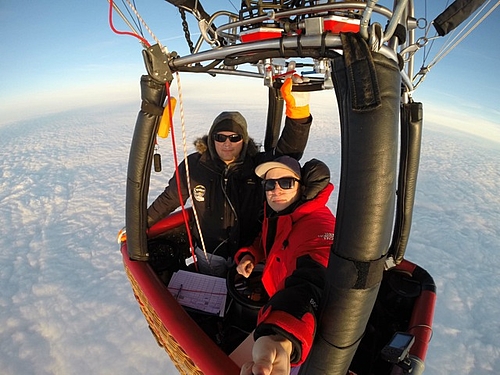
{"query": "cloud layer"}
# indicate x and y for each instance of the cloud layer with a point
(67, 307)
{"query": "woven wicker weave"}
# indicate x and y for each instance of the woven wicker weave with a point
(181, 360)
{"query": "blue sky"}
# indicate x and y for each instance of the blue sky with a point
(59, 55)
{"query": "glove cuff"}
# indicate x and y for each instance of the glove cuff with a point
(298, 112)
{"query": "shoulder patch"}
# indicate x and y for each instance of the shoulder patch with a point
(199, 193)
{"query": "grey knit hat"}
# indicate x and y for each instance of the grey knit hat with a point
(231, 121)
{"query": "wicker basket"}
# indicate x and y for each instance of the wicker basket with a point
(181, 360)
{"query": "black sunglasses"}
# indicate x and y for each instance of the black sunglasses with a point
(233, 138)
(284, 183)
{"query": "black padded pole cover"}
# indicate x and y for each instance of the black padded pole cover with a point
(368, 93)
(411, 140)
(274, 117)
(139, 166)
(455, 14)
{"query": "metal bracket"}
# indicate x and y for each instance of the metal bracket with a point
(156, 61)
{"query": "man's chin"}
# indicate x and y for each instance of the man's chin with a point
(278, 206)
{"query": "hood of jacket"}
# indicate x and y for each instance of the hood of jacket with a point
(232, 121)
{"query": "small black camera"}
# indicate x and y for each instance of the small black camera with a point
(398, 348)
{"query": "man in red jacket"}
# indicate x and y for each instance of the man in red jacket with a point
(297, 234)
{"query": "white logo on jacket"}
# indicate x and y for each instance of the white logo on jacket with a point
(199, 193)
(327, 236)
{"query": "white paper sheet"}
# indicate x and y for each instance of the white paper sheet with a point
(198, 291)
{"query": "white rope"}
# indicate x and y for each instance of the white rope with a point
(188, 179)
(449, 46)
(183, 128)
(146, 26)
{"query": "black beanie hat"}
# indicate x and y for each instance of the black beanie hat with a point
(230, 121)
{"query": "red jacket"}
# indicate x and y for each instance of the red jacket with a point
(294, 272)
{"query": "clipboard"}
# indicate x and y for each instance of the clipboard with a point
(198, 291)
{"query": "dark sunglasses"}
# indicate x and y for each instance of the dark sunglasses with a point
(233, 138)
(284, 183)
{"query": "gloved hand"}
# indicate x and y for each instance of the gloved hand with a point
(297, 102)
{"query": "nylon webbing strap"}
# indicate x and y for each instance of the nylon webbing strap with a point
(366, 275)
(362, 77)
(151, 109)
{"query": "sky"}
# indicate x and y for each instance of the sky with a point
(69, 97)
(56, 57)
